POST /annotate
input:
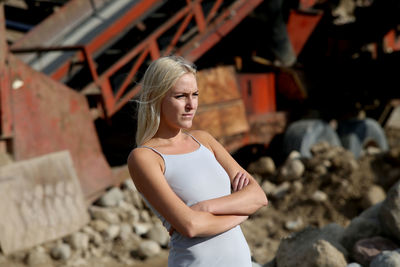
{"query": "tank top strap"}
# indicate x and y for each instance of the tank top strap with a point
(194, 138)
(151, 148)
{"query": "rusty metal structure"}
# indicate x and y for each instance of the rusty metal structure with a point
(41, 113)
(189, 31)
(85, 61)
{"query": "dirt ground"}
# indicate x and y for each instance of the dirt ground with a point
(344, 183)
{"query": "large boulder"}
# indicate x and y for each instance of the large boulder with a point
(390, 212)
(313, 247)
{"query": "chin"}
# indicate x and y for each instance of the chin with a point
(187, 125)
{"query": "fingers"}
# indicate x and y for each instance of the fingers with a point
(239, 181)
(235, 181)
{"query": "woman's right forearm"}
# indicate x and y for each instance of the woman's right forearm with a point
(207, 224)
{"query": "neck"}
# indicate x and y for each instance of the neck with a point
(168, 133)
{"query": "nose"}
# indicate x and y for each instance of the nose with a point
(190, 103)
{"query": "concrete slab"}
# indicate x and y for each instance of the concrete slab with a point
(40, 200)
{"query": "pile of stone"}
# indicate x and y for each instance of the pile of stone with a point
(371, 239)
(124, 230)
(121, 227)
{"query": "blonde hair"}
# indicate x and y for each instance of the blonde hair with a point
(158, 79)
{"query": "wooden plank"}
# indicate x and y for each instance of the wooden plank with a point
(223, 119)
(221, 109)
(217, 85)
(40, 200)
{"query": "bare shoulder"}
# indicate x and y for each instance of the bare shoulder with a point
(143, 157)
(208, 140)
(203, 136)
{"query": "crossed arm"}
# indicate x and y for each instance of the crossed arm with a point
(247, 196)
(206, 218)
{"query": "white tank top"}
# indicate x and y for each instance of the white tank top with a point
(194, 177)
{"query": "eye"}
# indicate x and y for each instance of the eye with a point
(179, 96)
(196, 94)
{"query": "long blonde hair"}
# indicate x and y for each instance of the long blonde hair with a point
(158, 79)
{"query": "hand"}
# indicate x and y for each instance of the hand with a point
(239, 181)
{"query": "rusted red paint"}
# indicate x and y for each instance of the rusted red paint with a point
(207, 36)
(5, 85)
(392, 41)
(73, 106)
(258, 92)
(50, 117)
(300, 26)
(215, 31)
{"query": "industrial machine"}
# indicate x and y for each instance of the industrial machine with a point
(68, 76)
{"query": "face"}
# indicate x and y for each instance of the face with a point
(180, 103)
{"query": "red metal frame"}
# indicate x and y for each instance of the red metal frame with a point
(392, 41)
(209, 28)
(258, 92)
(300, 26)
(5, 89)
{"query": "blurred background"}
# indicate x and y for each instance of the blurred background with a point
(275, 77)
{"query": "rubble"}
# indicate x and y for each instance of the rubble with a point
(333, 211)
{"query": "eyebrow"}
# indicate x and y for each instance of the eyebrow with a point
(185, 92)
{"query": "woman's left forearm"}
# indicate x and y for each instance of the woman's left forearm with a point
(243, 202)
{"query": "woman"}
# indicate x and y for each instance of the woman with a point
(186, 177)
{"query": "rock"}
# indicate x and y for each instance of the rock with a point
(294, 225)
(372, 150)
(263, 166)
(107, 215)
(386, 259)
(79, 262)
(311, 247)
(294, 155)
(319, 196)
(374, 195)
(320, 148)
(323, 254)
(99, 225)
(366, 249)
(360, 228)
(281, 190)
(390, 212)
(297, 186)
(320, 169)
(142, 228)
(292, 170)
(61, 251)
(94, 236)
(111, 198)
(159, 234)
(111, 232)
(148, 248)
(79, 241)
(128, 184)
(145, 216)
(268, 187)
(372, 213)
(38, 257)
(125, 231)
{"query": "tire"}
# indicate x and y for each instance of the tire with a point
(357, 135)
(302, 135)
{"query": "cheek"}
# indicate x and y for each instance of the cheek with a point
(169, 108)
